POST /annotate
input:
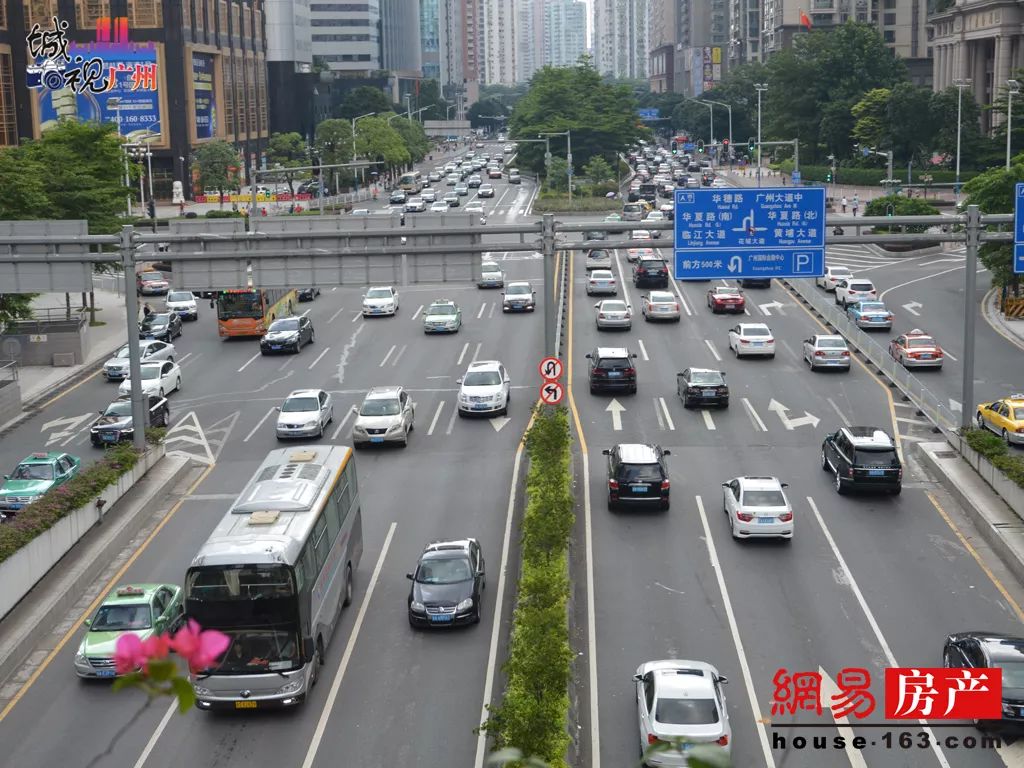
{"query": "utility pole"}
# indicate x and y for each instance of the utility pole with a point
(761, 88)
(1014, 89)
(973, 229)
(960, 85)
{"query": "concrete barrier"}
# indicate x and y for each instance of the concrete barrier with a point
(1007, 490)
(23, 570)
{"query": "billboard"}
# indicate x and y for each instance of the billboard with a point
(204, 96)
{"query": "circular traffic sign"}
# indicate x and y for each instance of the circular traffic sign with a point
(550, 368)
(551, 393)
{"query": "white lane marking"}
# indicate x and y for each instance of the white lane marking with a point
(156, 735)
(622, 280)
(912, 308)
(476, 352)
(287, 361)
(319, 357)
(682, 299)
(258, 425)
(748, 680)
(183, 358)
(758, 424)
(708, 421)
(341, 425)
(334, 289)
(390, 352)
(399, 355)
(851, 582)
(914, 421)
(595, 734)
(248, 362)
(356, 316)
(949, 354)
(437, 415)
(321, 725)
(714, 351)
(481, 312)
(842, 416)
(657, 413)
(465, 348)
(881, 296)
(668, 416)
(490, 315)
(746, 311)
(417, 312)
(451, 420)
(830, 692)
(643, 349)
(492, 654)
(960, 259)
(343, 360)
(334, 317)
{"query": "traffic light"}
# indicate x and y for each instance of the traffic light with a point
(751, 145)
(725, 144)
(700, 146)
(675, 147)
(828, 177)
(151, 207)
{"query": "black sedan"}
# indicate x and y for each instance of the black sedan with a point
(308, 294)
(702, 386)
(165, 326)
(447, 584)
(992, 649)
(287, 334)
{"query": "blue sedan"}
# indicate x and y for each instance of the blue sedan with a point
(870, 314)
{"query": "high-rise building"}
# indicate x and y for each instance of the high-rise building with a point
(430, 38)
(662, 35)
(529, 38)
(347, 36)
(744, 31)
(620, 37)
(400, 38)
(564, 37)
(498, 26)
(289, 38)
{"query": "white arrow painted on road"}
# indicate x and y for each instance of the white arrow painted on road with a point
(500, 422)
(912, 308)
(830, 692)
(735, 264)
(69, 424)
(615, 408)
(771, 305)
(789, 423)
(954, 405)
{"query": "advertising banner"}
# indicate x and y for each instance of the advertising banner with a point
(204, 95)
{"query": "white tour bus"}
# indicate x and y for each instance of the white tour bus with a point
(274, 576)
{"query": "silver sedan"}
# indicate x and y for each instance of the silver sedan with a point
(659, 305)
(613, 313)
(826, 351)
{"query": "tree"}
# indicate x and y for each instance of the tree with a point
(413, 136)
(993, 192)
(479, 114)
(27, 199)
(598, 170)
(14, 306)
(288, 150)
(376, 140)
(362, 101)
(429, 96)
(871, 114)
(334, 141)
(214, 161)
(944, 119)
(898, 205)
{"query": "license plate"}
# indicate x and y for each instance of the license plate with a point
(108, 438)
(765, 520)
(246, 705)
(926, 357)
(106, 672)
(275, 346)
(876, 472)
(150, 336)
(708, 394)
(757, 344)
(638, 488)
(376, 439)
(441, 618)
(480, 407)
(614, 374)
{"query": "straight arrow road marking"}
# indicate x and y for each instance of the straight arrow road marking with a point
(758, 424)
(615, 408)
(789, 423)
(465, 348)
(476, 352)
(830, 692)
(499, 422)
(69, 423)
(912, 308)
(481, 312)
(770, 305)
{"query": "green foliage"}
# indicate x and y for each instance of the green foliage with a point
(413, 137)
(27, 199)
(996, 451)
(216, 214)
(901, 206)
(287, 150)
(334, 141)
(598, 170)
(870, 112)
(86, 486)
(363, 100)
(993, 192)
(14, 306)
(377, 140)
(214, 161)
(601, 117)
(557, 202)
(430, 97)
(155, 435)
(869, 177)
(480, 114)
(556, 175)
(533, 716)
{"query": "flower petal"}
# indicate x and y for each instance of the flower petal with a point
(128, 654)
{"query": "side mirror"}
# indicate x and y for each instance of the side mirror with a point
(458, 380)
(606, 452)
(409, 576)
(308, 648)
(355, 409)
(666, 452)
(785, 485)
(725, 485)
(87, 622)
(597, 305)
(277, 407)
(723, 679)
(638, 678)
(633, 355)
(589, 356)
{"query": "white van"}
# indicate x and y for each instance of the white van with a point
(632, 212)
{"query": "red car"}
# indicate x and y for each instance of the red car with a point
(726, 299)
(916, 349)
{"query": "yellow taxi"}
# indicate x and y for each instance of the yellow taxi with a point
(1004, 417)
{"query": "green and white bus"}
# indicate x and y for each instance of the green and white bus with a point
(274, 576)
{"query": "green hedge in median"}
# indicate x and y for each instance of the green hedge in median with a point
(87, 485)
(1008, 461)
(533, 715)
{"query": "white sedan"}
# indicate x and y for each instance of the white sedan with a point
(380, 300)
(613, 313)
(751, 339)
(757, 507)
(157, 379)
(601, 281)
(439, 206)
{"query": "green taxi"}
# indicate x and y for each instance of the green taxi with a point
(143, 609)
(34, 476)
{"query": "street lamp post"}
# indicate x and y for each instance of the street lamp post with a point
(408, 106)
(448, 111)
(354, 121)
(761, 88)
(568, 154)
(1013, 90)
(960, 85)
(127, 177)
(711, 113)
(729, 108)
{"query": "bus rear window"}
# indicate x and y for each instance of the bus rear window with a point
(231, 305)
(239, 582)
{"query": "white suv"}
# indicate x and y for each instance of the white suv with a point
(832, 276)
(486, 388)
(854, 289)
(386, 416)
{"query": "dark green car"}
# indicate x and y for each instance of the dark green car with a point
(34, 476)
(143, 609)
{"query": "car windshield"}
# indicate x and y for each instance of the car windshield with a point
(379, 406)
(286, 324)
(706, 377)
(441, 309)
(449, 570)
(920, 342)
(180, 296)
(122, 353)
(482, 379)
(378, 293)
(150, 276)
(298, 404)
(1017, 414)
(840, 274)
(490, 268)
(33, 472)
(861, 287)
(260, 650)
(120, 408)
(753, 330)
(518, 290)
(1013, 673)
(601, 274)
(613, 306)
(598, 254)
(662, 298)
(867, 458)
(121, 618)
(871, 306)
(727, 291)
(640, 473)
(686, 711)
(150, 372)
(155, 321)
(763, 499)
(831, 344)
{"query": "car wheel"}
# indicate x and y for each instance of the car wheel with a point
(476, 614)
(647, 317)
(161, 391)
(897, 490)
(312, 337)
(732, 527)
(320, 433)
(771, 356)
(177, 384)
(611, 504)
(405, 439)
(686, 403)
(980, 420)
(349, 588)
(1006, 437)
(840, 488)
(824, 460)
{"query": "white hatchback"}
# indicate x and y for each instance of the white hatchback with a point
(757, 507)
(750, 339)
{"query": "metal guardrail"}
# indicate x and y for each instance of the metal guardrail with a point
(929, 404)
(9, 370)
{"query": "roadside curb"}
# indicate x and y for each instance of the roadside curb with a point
(999, 324)
(997, 524)
(44, 608)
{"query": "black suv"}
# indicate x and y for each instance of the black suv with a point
(637, 475)
(862, 457)
(115, 424)
(165, 326)
(612, 369)
(447, 584)
(702, 386)
(650, 272)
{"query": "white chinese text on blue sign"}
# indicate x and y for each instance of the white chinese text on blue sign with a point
(1018, 230)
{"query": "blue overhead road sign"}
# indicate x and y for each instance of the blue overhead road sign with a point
(689, 146)
(1018, 230)
(649, 113)
(753, 232)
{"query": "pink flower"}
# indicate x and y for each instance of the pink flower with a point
(129, 654)
(157, 647)
(200, 648)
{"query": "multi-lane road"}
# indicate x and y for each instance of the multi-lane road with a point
(868, 582)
